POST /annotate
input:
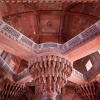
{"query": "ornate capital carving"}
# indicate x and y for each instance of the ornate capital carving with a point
(50, 74)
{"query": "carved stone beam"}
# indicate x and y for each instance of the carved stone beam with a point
(81, 45)
(76, 77)
(15, 43)
(23, 77)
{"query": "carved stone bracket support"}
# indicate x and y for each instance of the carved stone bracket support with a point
(50, 73)
(11, 90)
(87, 91)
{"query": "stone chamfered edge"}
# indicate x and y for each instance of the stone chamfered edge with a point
(29, 1)
(10, 32)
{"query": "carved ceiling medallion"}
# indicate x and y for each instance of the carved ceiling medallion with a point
(50, 24)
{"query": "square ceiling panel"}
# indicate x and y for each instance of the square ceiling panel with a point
(50, 38)
(50, 23)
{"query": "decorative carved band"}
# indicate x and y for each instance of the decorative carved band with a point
(29, 1)
(87, 91)
(10, 33)
(50, 74)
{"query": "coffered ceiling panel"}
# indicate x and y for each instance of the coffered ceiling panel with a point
(50, 23)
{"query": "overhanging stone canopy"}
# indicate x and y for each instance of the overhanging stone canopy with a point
(50, 73)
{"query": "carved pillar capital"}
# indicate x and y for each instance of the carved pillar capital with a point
(50, 73)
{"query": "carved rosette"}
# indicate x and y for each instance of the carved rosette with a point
(50, 74)
(87, 91)
(11, 91)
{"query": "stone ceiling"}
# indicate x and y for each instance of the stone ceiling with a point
(50, 22)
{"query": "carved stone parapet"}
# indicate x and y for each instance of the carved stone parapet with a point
(50, 73)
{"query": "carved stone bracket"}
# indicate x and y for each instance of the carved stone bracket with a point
(11, 90)
(87, 91)
(50, 73)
